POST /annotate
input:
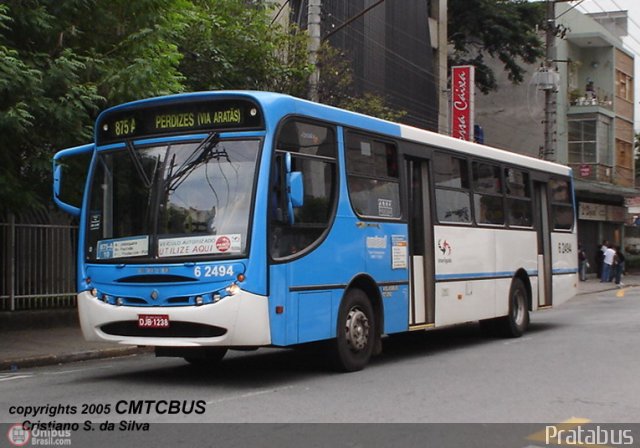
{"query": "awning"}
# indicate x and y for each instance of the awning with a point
(603, 191)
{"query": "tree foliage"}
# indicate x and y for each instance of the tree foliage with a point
(337, 87)
(506, 29)
(233, 44)
(61, 62)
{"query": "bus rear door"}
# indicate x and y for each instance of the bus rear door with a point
(543, 228)
(422, 306)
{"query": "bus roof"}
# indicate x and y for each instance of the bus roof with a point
(277, 105)
(410, 133)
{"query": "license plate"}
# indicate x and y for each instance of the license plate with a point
(153, 321)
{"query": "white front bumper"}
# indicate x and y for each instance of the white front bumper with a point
(245, 316)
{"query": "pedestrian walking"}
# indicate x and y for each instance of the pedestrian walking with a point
(607, 263)
(600, 256)
(583, 264)
(619, 269)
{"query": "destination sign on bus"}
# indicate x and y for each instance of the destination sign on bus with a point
(179, 118)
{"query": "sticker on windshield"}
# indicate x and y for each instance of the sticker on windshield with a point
(199, 245)
(385, 208)
(95, 222)
(134, 246)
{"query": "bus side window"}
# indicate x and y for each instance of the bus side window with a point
(561, 205)
(487, 193)
(373, 178)
(518, 191)
(451, 179)
(313, 153)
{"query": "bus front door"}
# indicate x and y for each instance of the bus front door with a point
(422, 309)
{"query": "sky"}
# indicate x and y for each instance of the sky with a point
(632, 41)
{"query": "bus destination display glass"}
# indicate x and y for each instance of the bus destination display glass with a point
(187, 117)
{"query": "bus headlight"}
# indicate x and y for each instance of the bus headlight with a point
(233, 289)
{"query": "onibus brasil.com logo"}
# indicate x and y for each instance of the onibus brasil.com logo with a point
(19, 436)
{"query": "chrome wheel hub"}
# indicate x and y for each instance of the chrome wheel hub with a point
(357, 329)
(519, 308)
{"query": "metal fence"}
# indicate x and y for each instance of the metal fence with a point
(38, 265)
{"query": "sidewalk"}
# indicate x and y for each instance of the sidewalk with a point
(37, 338)
(593, 285)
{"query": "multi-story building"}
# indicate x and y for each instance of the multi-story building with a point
(593, 120)
(596, 137)
(397, 51)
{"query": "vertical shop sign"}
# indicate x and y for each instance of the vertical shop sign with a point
(462, 96)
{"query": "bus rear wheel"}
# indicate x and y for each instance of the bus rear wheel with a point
(355, 338)
(514, 324)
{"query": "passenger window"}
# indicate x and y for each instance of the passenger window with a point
(450, 172)
(373, 179)
(518, 191)
(312, 150)
(486, 178)
(561, 204)
(451, 179)
(487, 197)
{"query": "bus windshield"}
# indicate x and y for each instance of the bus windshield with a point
(172, 200)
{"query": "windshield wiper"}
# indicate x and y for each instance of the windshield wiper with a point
(201, 154)
(137, 163)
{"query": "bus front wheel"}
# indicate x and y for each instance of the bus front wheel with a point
(514, 324)
(355, 338)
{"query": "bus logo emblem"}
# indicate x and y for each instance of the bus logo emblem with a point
(444, 247)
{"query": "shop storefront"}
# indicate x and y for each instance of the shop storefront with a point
(602, 215)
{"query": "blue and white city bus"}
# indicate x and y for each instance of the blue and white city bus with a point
(220, 220)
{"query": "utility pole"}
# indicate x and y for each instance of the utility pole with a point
(313, 28)
(548, 81)
(550, 93)
(439, 12)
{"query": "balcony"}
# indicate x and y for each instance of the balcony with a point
(581, 102)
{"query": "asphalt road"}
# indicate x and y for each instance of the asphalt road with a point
(577, 363)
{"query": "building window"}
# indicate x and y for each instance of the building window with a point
(582, 141)
(624, 86)
(605, 153)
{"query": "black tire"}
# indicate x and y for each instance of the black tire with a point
(210, 357)
(516, 322)
(355, 335)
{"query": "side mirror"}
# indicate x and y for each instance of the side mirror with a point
(69, 177)
(295, 188)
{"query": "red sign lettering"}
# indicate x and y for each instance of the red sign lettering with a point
(462, 88)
